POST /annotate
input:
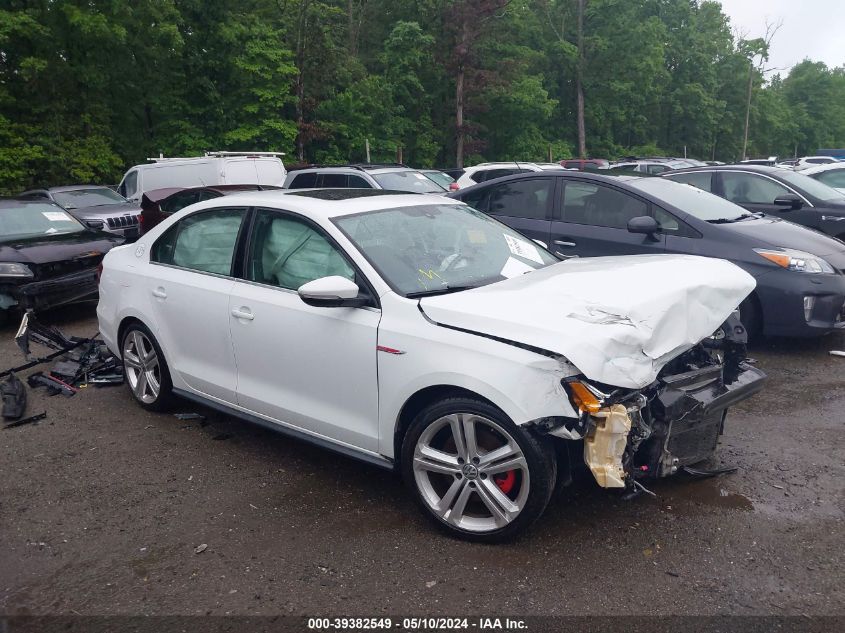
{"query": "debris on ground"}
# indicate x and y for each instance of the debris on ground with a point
(13, 393)
(79, 362)
(836, 352)
(199, 549)
(30, 420)
(188, 416)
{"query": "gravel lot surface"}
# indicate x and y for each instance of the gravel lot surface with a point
(103, 504)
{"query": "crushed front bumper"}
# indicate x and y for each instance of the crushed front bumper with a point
(39, 295)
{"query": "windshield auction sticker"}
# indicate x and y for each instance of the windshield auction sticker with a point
(523, 248)
(56, 216)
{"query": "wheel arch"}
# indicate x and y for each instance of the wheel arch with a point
(423, 398)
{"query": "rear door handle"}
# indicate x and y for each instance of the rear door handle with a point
(564, 243)
(243, 313)
(160, 292)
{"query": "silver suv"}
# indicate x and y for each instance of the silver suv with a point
(95, 206)
(391, 177)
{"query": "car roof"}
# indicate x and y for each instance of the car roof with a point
(760, 169)
(599, 176)
(156, 195)
(817, 169)
(328, 203)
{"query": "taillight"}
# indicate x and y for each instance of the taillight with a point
(453, 186)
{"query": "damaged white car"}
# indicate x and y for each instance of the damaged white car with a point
(418, 334)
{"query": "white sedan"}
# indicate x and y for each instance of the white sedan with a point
(416, 333)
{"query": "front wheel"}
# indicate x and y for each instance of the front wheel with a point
(474, 472)
(145, 369)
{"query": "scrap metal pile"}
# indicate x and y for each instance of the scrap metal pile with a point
(76, 364)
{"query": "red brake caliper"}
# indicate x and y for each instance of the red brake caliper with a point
(505, 481)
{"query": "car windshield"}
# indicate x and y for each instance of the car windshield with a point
(94, 197)
(697, 202)
(444, 180)
(437, 248)
(410, 181)
(810, 186)
(33, 219)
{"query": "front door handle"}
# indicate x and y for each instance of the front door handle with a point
(243, 313)
(564, 243)
(160, 292)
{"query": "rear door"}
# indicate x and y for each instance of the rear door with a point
(524, 205)
(591, 219)
(190, 298)
(240, 171)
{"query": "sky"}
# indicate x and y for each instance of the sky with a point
(811, 29)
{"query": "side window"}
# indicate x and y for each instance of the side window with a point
(590, 203)
(478, 199)
(356, 182)
(521, 199)
(333, 181)
(208, 195)
(203, 241)
(656, 169)
(129, 185)
(287, 252)
(750, 189)
(177, 201)
(480, 175)
(701, 179)
(304, 181)
(671, 225)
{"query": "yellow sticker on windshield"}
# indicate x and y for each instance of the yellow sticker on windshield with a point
(430, 274)
(477, 237)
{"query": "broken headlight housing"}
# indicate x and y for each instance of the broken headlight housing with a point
(797, 261)
(13, 269)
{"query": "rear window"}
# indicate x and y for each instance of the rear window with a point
(34, 219)
(411, 181)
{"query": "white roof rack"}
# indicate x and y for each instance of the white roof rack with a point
(161, 158)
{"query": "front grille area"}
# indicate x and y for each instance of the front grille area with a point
(52, 270)
(123, 221)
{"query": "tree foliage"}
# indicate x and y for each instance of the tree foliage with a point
(88, 87)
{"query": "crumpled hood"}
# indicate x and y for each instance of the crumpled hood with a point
(619, 320)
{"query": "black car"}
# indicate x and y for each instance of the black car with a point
(800, 273)
(47, 257)
(95, 206)
(774, 190)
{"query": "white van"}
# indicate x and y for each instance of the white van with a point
(215, 168)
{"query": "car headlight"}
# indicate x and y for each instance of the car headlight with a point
(11, 269)
(799, 261)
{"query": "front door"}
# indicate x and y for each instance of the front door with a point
(313, 368)
(593, 221)
(757, 193)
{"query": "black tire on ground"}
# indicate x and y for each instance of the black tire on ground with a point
(538, 452)
(164, 398)
(751, 317)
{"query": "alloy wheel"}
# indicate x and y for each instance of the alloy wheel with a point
(471, 473)
(142, 367)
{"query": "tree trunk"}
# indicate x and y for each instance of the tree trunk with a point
(747, 109)
(579, 85)
(459, 119)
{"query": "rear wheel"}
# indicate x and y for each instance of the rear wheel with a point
(474, 472)
(145, 369)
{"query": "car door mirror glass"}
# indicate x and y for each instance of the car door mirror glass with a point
(789, 201)
(644, 224)
(331, 292)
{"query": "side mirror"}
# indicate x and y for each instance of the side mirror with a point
(331, 292)
(645, 225)
(790, 201)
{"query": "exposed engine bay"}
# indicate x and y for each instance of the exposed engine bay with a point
(672, 423)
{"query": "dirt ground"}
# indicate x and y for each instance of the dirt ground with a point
(103, 504)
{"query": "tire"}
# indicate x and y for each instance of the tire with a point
(457, 483)
(751, 317)
(146, 371)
